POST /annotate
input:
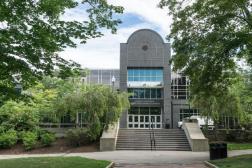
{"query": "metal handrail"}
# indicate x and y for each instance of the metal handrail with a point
(153, 135)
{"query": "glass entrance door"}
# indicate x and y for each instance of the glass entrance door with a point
(144, 121)
(144, 117)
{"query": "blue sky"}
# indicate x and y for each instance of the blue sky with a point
(104, 52)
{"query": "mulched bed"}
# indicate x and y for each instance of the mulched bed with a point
(60, 146)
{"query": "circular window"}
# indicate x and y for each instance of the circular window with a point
(145, 47)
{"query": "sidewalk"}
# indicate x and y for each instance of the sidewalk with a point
(140, 157)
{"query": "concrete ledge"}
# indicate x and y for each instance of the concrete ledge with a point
(210, 165)
(112, 164)
(196, 138)
(109, 138)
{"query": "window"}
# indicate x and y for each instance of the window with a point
(144, 111)
(134, 110)
(145, 93)
(155, 110)
(188, 113)
(180, 87)
(149, 75)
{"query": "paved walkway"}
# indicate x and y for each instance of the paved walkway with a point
(141, 159)
(191, 165)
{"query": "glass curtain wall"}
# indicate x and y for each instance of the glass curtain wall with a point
(180, 87)
(188, 113)
(145, 75)
(145, 93)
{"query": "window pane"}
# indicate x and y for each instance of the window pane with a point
(130, 91)
(148, 72)
(141, 118)
(136, 78)
(144, 110)
(130, 72)
(159, 73)
(136, 72)
(141, 72)
(159, 79)
(130, 79)
(147, 93)
(146, 119)
(142, 78)
(153, 78)
(153, 93)
(135, 118)
(136, 93)
(158, 93)
(148, 78)
(133, 110)
(153, 72)
(130, 119)
(141, 93)
(155, 110)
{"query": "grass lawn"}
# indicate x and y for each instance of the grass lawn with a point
(53, 162)
(244, 161)
(239, 146)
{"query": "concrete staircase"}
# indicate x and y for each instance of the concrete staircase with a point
(139, 139)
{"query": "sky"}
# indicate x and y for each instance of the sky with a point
(104, 52)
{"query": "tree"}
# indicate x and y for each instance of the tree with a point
(208, 37)
(32, 33)
(100, 106)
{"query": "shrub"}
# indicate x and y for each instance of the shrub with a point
(8, 139)
(77, 136)
(47, 139)
(29, 140)
(18, 116)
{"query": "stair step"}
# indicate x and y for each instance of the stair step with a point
(139, 139)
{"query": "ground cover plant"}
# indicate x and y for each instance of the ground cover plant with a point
(234, 162)
(52, 162)
(239, 146)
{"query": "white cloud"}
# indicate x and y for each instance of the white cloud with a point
(104, 52)
(148, 10)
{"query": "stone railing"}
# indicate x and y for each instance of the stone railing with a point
(109, 138)
(196, 138)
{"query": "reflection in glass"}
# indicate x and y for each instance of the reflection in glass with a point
(150, 75)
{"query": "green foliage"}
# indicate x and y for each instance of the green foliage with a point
(18, 116)
(29, 140)
(53, 162)
(33, 32)
(234, 162)
(77, 136)
(208, 37)
(100, 105)
(47, 139)
(217, 107)
(53, 98)
(8, 139)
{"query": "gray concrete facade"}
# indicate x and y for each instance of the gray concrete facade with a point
(157, 55)
(134, 54)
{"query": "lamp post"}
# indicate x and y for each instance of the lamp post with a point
(113, 81)
(17, 79)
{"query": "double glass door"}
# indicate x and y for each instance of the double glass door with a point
(144, 121)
